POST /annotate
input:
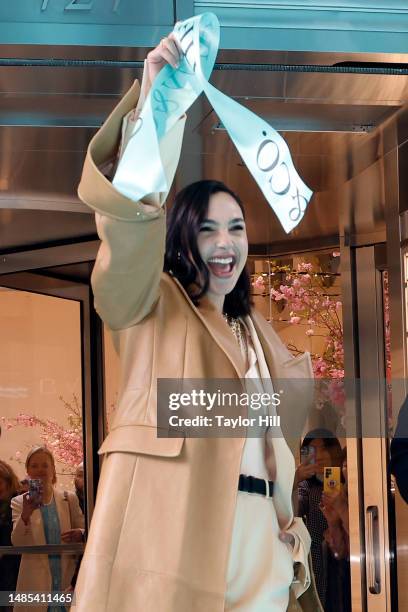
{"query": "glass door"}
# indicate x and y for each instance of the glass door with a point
(48, 378)
(372, 521)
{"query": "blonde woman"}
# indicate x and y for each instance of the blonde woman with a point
(51, 517)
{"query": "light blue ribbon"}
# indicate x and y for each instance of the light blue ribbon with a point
(263, 150)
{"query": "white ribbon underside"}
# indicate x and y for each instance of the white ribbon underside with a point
(262, 149)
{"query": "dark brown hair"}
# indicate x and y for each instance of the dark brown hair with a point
(8, 474)
(329, 440)
(182, 258)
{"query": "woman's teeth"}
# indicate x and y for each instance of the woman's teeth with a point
(221, 260)
(221, 266)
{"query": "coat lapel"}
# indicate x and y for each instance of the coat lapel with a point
(38, 527)
(63, 511)
(217, 327)
(263, 330)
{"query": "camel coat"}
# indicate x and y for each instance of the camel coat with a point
(161, 531)
(34, 574)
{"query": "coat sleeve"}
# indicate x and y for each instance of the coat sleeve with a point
(129, 264)
(399, 452)
(22, 534)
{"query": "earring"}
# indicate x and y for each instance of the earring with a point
(178, 255)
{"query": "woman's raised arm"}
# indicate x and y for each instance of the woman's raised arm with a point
(129, 264)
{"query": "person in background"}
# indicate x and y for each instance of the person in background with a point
(79, 485)
(23, 486)
(399, 452)
(9, 564)
(336, 512)
(47, 517)
(325, 451)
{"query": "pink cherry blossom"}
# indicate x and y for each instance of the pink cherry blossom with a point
(294, 320)
(259, 283)
(66, 442)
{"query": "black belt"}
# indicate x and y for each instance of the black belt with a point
(250, 484)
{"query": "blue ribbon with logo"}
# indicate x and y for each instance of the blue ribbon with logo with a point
(174, 90)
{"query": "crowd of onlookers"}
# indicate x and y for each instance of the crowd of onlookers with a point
(34, 512)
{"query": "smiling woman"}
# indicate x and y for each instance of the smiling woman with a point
(207, 246)
(177, 300)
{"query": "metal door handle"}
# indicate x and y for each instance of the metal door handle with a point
(373, 551)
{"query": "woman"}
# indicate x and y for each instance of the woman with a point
(325, 451)
(51, 517)
(182, 537)
(9, 564)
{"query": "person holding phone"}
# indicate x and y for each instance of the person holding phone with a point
(319, 449)
(186, 532)
(45, 515)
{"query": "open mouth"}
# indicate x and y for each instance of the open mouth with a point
(222, 267)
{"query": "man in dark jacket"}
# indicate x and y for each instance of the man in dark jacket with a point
(399, 452)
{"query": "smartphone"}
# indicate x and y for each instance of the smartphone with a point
(35, 489)
(308, 454)
(331, 480)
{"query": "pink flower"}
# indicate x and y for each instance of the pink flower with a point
(305, 267)
(309, 332)
(294, 320)
(276, 295)
(259, 283)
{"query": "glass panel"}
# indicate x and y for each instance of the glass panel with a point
(40, 405)
(301, 296)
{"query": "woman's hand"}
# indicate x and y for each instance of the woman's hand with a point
(168, 51)
(72, 535)
(29, 505)
(304, 471)
(328, 509)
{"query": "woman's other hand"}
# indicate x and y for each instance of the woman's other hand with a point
(304, 471)
(328, 509)
(168, 51)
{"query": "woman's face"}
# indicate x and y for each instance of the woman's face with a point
(40, 466)
(222, 243)
(322, 455)
(4, 489)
